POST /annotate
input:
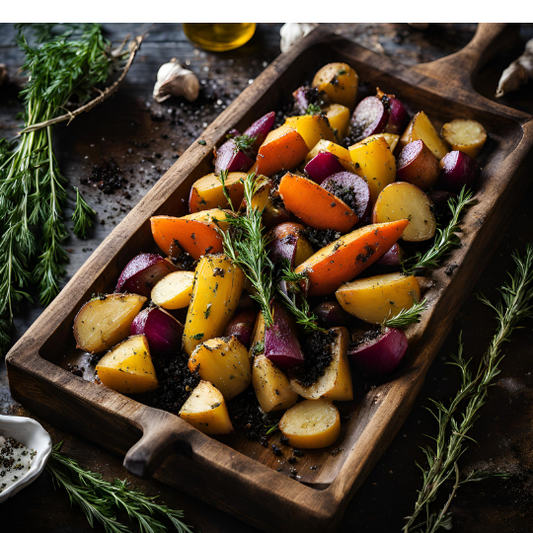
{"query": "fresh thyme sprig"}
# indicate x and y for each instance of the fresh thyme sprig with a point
(100, 500)
(82, 216)
(293, 282)
(245, 244)
(60, 68)
(445, 239)
(456, 419)
(406, 316)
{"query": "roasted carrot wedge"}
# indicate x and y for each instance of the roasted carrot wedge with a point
(315, 206)
(348, 256)
(283, 149)
(197, 234)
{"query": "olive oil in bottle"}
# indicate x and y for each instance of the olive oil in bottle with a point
(219, 37)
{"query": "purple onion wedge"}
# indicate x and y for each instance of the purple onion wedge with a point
(398, 116)
(230, 158)
(323, 165)
(352, 190)
(142, 273)
(381, 352)
(163, 331)
(242, 325)
(457, 170)
(282, 346)
(369, 117)
(331, 314)
(260, 129)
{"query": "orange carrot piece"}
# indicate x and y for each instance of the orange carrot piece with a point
(283, 149)
(348, 256)
(195, 237)
(315, 206)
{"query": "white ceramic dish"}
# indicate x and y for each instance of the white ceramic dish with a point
(32, 435)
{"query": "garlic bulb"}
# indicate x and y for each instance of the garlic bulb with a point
(175, 80)
(518, 73)
(292, 32)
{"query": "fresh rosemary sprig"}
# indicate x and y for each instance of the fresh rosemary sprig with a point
(222, 178)
(100, 500)
(60, 68)
(445, 239)
(457, 419)
(406, 316)
(245, 244)
(82, 216)
(293, 282)
(244, 142)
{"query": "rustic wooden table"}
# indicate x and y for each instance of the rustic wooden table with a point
(133, 140)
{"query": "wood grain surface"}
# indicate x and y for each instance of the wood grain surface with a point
(371, 517)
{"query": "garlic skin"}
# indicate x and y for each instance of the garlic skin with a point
(292, 32)
(518, 73)
(175, 80)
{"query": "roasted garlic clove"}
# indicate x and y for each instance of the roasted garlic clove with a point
(175, 80)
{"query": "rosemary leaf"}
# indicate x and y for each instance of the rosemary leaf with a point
(406, 316)
(82, 216)
(445, 239)
(100, 500)
(456, 419)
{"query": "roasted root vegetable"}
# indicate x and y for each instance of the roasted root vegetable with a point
(398, 116)
(348, 256)
(174, 291)
(273, 210)
(380, 297)
(271, 386)
(206, 410)
(224, 361)
(353, 190)
(457, 170)
(322, 165)
(421, 128)
(241, 326)
(312, 128)
(208, 192)
(391, 138)
(379, 352)
(465, 135)
(283, 149)
(336, 382)
(374, 161)
(106, 320)
(230, 157)
(287, 242)
(341, 153)
(418, 165)
(128, 367)
(142, 273)
(339, 119)
(197, 233)
(339, 82)
(217, 288)
(403, 200)
(311, 424)
(161, 329)
(315, 206)
(371, 116)
(330, 314)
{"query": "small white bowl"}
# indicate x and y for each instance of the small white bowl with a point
(32, 435)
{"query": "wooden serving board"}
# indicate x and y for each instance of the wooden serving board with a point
(236, 475)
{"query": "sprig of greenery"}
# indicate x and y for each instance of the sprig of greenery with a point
(244, 142)
(406, 316)
(245, 244)
(294, 282)
(445, 239)
(223, 176)
(456, 419)
(60, 67)
(82, 216)
(100, 500)
(313, 109)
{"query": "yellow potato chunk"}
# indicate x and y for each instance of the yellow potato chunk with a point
(208, 193)
(423, 129)
(271, 386)
(128, 367)
(403, 200)
(391, 138)
(174, 290)
(225, 362)
(217, 289)
(336, 382)
(312, 128)
(339, 82)
(106, 320)
(380, 297)
(311, 424)
(339, 119)
(374, 162)
(206, 410)
(465, 135)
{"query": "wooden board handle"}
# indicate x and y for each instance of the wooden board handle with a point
(461, 67)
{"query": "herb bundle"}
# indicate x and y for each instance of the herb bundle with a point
(100, 500)
(456, 419)
(61, 68)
